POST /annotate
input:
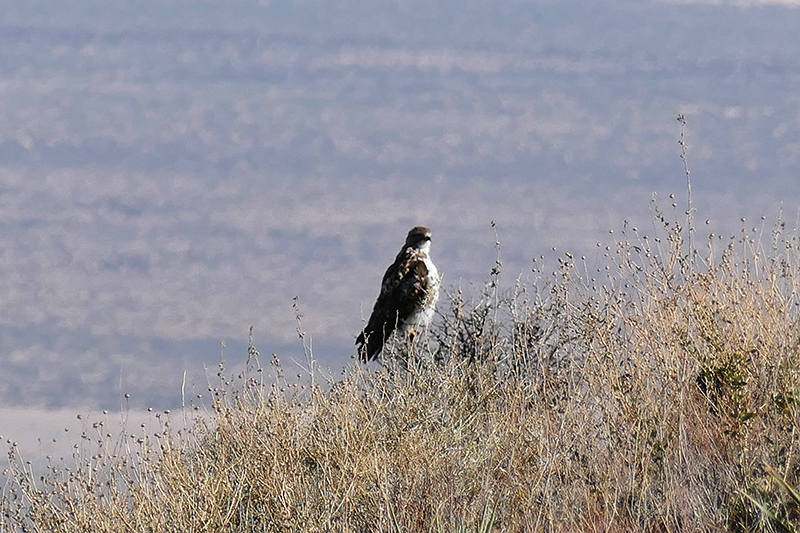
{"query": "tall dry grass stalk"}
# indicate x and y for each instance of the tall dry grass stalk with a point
(655, 390)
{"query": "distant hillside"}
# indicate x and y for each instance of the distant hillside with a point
(172, 172)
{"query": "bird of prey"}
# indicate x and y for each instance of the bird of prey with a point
(409, 292)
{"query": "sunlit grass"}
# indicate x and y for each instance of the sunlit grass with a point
(652, 388)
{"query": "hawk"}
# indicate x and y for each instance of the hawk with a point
(409, 292)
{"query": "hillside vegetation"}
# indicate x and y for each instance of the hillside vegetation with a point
(653, 388)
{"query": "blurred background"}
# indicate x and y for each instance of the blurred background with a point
(173, 172)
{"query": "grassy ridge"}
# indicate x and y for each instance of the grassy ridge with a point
(655, 391)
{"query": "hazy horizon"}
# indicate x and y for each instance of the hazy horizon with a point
(174, 172)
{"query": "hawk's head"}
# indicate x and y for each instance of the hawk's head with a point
(418, 237)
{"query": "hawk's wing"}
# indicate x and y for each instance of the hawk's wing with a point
(403, 291)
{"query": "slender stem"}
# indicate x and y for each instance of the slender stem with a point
(689, 209)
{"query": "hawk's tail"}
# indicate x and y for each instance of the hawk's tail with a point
(370, 344)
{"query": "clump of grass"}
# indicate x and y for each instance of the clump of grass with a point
(654, 388)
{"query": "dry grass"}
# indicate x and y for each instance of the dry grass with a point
(656, 392)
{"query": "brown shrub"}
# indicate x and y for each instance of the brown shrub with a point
(650, 392)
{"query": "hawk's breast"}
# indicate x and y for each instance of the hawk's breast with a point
(423, 312)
